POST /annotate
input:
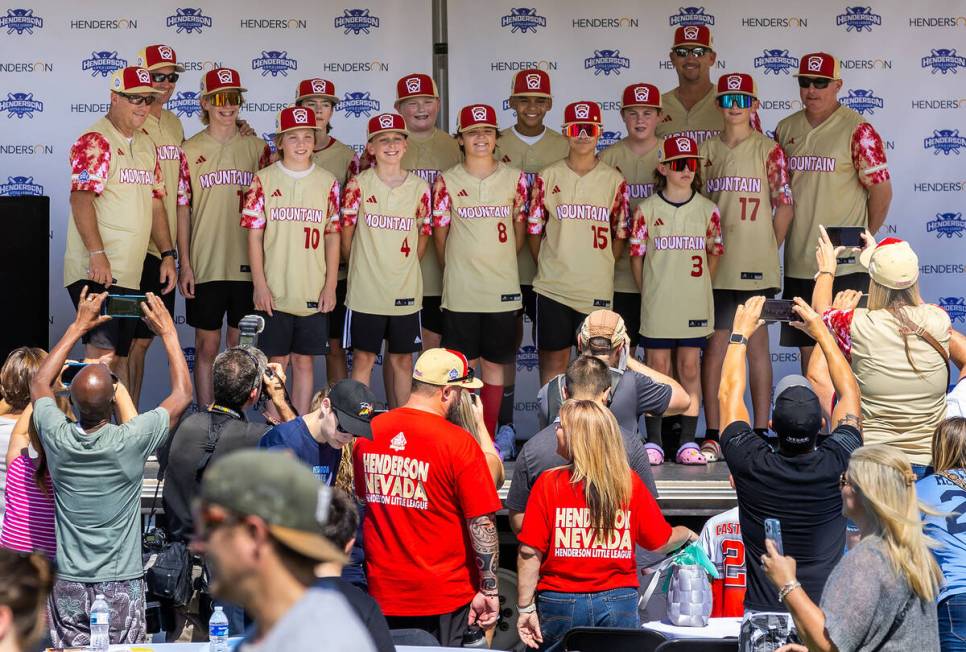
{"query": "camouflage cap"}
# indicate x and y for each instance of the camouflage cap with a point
(281, 491)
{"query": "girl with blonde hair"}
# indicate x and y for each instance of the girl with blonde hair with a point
(880, 596)
(576, 564)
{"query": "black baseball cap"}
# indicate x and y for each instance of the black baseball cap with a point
(797, 413)
(354, 405)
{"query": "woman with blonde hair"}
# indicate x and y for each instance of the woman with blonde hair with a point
(576, 564)
(880, 596)
(470, 418)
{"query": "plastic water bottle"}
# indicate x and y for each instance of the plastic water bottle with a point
(218, 631)
(474, 637)
(100, 618)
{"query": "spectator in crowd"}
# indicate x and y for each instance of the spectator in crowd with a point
(956, 399)
(341, 530)
(797, 483)
(898, 346)
(97, 470)
(470, 419)
(943, 493)
(560, 587)
(27, 580)
(721, 541)
(430, 523)
(881, 596)
(690, 109)
(260, 524)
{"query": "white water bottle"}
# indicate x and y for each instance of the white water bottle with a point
(218, 631)
(100, 618)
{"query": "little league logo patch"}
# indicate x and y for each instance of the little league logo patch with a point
(527, 358)
(607, 62)
(947, 225)
(413, 84)
(185, 104)
(20, 186)
(776, 61)
(582, 111)
(225, 76)
(320, 87)
(479, 113)
(385, 121)
(642, 94)
(275, 63)
(357, 104)
(947, 141)
(190, 21)
(608, 138)
(533, 82)
(522, 20)
(356, 21)
(814, 64)
(858, 19)
(143, 76)
(863, 101)
(398, 442)
(734, 83)
(21, 21)
(300, 116)
(103, 63)
(20, 105)
(684, 144)
(690, 16)
(955, 307)
(944, 60)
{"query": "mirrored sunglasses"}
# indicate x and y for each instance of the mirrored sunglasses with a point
(682, 164)
(229, 98)
(697, 52)
(735, 100)
(577, 129)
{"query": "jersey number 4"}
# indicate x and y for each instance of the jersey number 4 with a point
(405, 248)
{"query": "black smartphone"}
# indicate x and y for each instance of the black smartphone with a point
(70, 372)
(778, 310)
(124, 306)
(845, 236)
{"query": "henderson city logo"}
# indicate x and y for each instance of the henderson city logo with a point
(356, 21)
(189, 21)
(522, 20)
(21, 21)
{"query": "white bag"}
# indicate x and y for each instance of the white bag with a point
(689, 597)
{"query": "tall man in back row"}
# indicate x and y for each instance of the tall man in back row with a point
(690, 109)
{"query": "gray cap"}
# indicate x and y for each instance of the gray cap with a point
(794, 380)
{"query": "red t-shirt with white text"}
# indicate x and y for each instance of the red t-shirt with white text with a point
(421, 477)
(575, 560)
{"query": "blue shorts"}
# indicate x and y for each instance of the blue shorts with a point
(673, 342)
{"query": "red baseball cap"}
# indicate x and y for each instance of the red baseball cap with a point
(385, 122)
(132, 80)
(294, 117)
(158, 56)
(221, 79)
(415, 85)
(699, 35)
(476, 116)
(678, 147)
(585, 112)
(819, 64)
(641, 94)
(316, 87)
(530, 83)
(737, 82)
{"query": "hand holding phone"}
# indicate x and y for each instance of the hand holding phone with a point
(778, 310)
(845, 236)
(773, 531)
(123, 306)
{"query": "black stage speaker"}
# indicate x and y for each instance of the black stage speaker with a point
(24, 272)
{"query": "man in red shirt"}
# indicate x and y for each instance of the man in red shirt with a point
(430, 525)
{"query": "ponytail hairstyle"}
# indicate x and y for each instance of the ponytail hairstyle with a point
(949, 445)
(886, 487)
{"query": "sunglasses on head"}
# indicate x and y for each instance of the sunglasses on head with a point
(139, 99)
(228, 98)
(158, 77)
(697, 52)
(682, 164)
(735, 100)
(817, 82)
(583, 128)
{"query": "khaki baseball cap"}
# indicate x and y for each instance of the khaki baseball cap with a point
(892, 263)
(445, 367)
(280, 490)
(604, 323)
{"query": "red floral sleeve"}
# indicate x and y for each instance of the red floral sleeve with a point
(266, 158)
(332, 223)
(840, 323)
(777, 169)
(424, 212)
(442, 203)
(521, 198)
(712, 241)
(756, 122)
(538, 211)
(253, 206)
(868, 155)
(90, 163)
(638, 238)
(350, 202)
(184, 181)
(158, 191)
(619, 213)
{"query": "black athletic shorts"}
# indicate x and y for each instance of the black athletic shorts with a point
(628, 306)
(673, 342)
(117, 333)
(432, 315)
(337, 316)
(151, 282)
(726, 304)
(802, 287)
(215, 299)
(487, 335)
(286, 333)
(557, 325)
(529, 302)
(365, 332)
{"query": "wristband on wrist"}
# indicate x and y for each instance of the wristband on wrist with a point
(788, 588)
(824, 271)
(528, 609)
(94, 253)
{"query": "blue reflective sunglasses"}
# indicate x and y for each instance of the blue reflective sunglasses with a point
(738, 100)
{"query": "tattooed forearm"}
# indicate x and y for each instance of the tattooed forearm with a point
(486, 546)
(850, 420)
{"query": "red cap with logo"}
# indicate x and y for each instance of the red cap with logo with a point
(695, 35)
(737, 82)
(385, 123)
(316, 87)
(530, 83)
(676, 147)
(582, 113)
(132, 80)
(476, 116)
(415, 85)
(158, 56)
(294, 117)
(819, 64)
(221, 79)
(641, 94)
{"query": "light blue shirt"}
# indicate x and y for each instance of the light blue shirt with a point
(950, 531)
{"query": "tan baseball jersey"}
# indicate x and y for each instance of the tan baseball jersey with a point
(703, 121)
(167, 135)
(579, 216)
(481, 272)
(220, 175)
(676, 240)
(125, 177)
(638, 171)
(551, 147)
(384, 276)
(747, 183)
(342, 162)
(831, 168)
(296, 210)
(426, 157)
